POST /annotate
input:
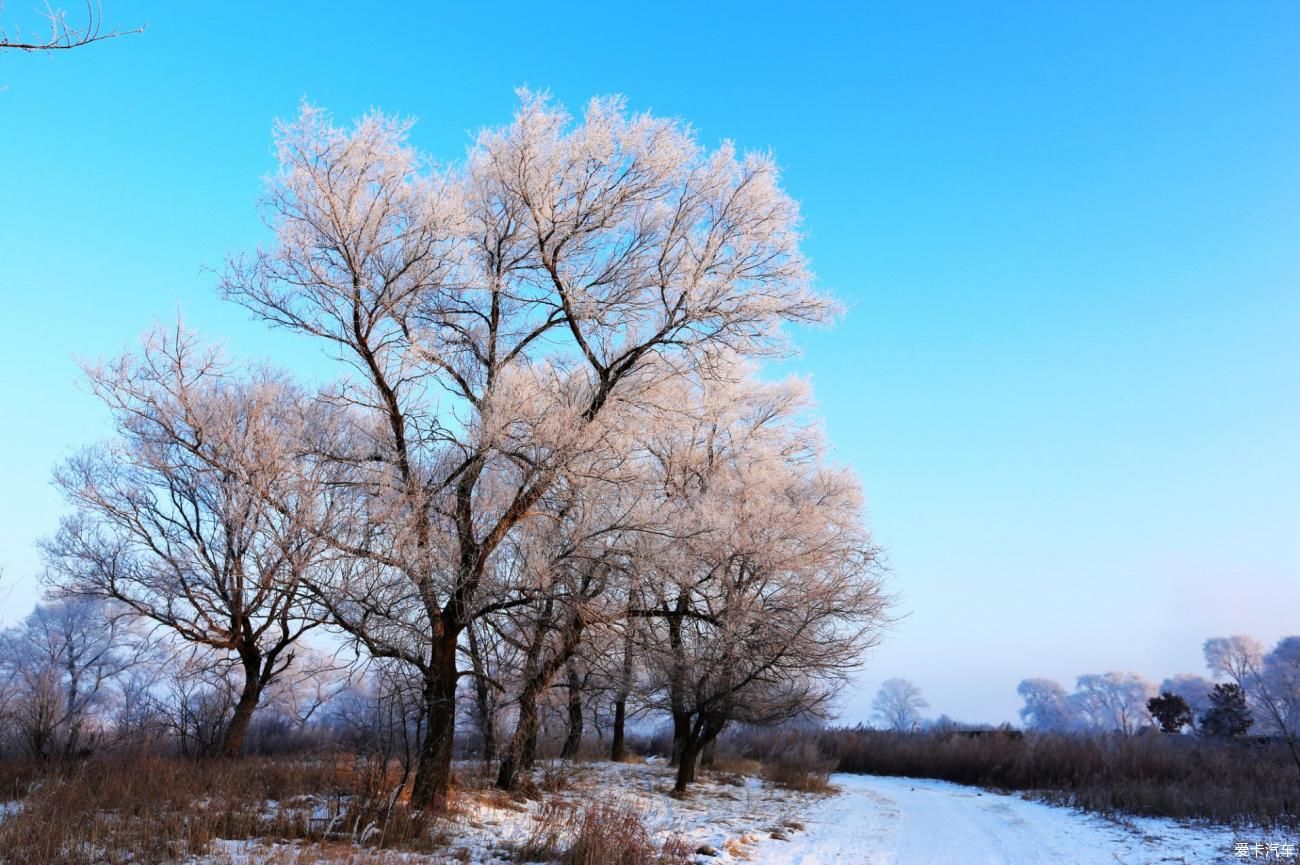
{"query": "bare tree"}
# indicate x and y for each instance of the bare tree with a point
(898, 705)
(196, 516)
(62, 664)
(1047, 706)
(496, 318)
(1238, 658)
(380, 716)
(61, 33)
(1270, 682)
(764, 593)
(581, 559)
(1113, 701)
(1280, 677)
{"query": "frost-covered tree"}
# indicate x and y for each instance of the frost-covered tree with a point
(1269, 682)
(898, 705)
(495, 318)
(760, 589)
(61, 666)
(196, 516)
(579, 567)
(1237, 658)
(1047, 706)
(1113, 701)
(1280, 685)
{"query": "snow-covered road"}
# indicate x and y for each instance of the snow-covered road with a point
(904, 821)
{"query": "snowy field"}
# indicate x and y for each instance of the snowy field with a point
(870, 821)
(903, 821)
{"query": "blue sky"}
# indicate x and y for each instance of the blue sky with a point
(1067, 233)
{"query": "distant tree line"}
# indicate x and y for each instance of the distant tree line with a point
(1254, 690)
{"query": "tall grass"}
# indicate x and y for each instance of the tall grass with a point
(148, 809)
(602, 833)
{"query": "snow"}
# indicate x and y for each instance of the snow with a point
(871, 821)
(729, 814)
(906, 821)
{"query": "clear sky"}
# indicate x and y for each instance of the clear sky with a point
(1068, 234)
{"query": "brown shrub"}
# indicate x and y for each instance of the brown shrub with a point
(610, 834)
(800, 767)
(602, 833)
(553, 824)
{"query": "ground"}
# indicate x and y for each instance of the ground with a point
(870, 820)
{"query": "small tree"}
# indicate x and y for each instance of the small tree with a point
(898, 704)
(1170, 711)
(1113, 701)
(195, 517)
(1229, 715)
(61, 665)
(1047, 706)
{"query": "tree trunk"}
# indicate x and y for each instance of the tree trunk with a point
(433, 765)
(483, 698)
(677, 686)
(681, 732)
(686, 759)
(709, 741)
(529, 757)
(522, 746)
(522, 749)
(232, 741)
(617, 750)
(573, 740)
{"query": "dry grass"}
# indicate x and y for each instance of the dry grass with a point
(734, 765)
(149, 810)
(800, 767)
(553, 824)
(609, 834)
(601, 833)
(326, 853)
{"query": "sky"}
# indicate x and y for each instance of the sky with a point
(1068, 237)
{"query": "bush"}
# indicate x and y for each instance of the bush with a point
(610, 834)
(801, 767)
